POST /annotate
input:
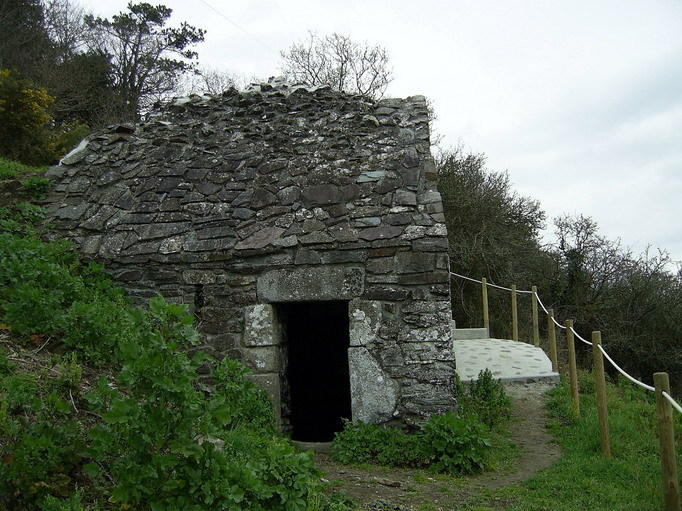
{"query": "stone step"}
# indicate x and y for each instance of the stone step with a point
(469, 333)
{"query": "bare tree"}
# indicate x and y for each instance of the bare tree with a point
(338, 61)
(207, 80)
(65, 25)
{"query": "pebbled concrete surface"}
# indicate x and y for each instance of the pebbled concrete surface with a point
(509, 361)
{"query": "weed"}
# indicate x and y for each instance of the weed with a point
(485, 398)
(10, 169)
(456, 445)
(42, 443)
(71, 371)
(51, 503)
(36, 188)
(30, 212)
(318, 500)
(449, 444)
(6, 366)
(360, 442)
(45, 290)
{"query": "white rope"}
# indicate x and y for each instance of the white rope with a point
(558, 324)
(522, 291)
(580, 337)
(672, 401)
(633, 380)
(547, 312)
(541, 304)
(465, 278)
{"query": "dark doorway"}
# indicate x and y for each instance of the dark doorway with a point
(317, 372)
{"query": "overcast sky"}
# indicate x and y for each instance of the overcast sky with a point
(581, 101)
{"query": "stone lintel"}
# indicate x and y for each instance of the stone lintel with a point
(311, 284)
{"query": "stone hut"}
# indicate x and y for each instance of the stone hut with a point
(304, 229)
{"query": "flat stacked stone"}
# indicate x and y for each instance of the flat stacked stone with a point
(228, 203)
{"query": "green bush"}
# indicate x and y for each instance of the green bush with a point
(51, 503)
(36, 188)
(10, 169)
(163, 442)
(45, 290)
(157, 437)
(449, 444)
(21, 218)
(484, 398)
(42, 441)
(169, 445)
(360, 442)
(455, 445)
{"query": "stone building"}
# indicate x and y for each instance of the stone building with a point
(304, 229)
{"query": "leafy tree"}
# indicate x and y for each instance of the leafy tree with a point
(493, 233)
(23, 119)
(24, 41)
(147, 57)
(80, 80)
(84, 92)
(338, 61)
(635, 301)
(47, 46)
(27, 131)
(589, 265)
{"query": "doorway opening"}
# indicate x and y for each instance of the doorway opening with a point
(316, 340)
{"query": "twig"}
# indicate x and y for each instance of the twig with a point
(73, 402)
(41, 348)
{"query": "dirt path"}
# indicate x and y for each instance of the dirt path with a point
(379, 488)
(537, 450)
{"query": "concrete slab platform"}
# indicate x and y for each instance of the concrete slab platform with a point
(470, 333)
(509, 361)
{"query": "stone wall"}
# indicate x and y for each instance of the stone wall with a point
(233, 204)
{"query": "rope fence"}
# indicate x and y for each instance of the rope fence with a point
(621, 371)
(664, 401)
(672, 401)
(580, 337)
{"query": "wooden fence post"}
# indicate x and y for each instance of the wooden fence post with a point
(572, 367)
(666, 436)
(484, 292)
(536, 322)
(552, 340)
(515, 314)
(601, 395)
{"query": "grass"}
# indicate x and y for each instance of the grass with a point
(584, 479)
(13, 170)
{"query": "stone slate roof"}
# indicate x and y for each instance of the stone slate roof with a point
(251, 173)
